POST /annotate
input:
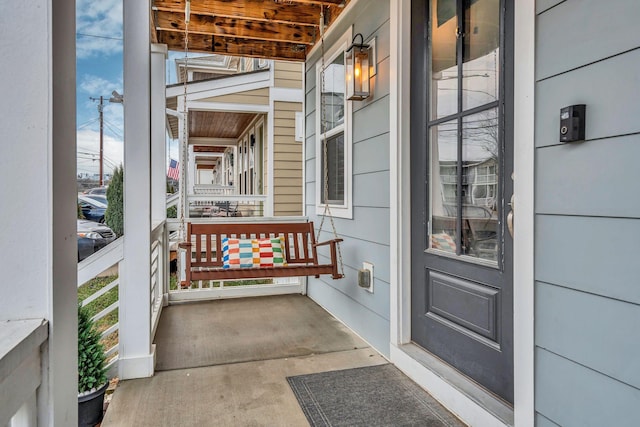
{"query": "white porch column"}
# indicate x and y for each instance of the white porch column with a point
(183, 210)
(136, 352)
(158, 133)
(191, 171)
(38, 248)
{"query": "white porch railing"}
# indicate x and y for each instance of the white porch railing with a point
(211, 206)
(173, 199)
(21, 343)
(108, 258)
(214, 190)
(159, 272)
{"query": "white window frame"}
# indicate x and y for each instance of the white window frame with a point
(344, 210)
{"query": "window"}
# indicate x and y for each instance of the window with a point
(333, 130)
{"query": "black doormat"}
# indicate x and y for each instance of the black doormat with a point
(371, 396)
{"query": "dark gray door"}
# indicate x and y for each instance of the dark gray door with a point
(461, 168)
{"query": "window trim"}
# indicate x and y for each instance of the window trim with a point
(344, 210)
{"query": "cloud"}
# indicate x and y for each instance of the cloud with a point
(88, 141)
(99, 26)
(97, 85)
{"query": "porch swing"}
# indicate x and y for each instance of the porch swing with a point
(251, 250)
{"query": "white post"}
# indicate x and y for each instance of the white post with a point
(38, 247)
(183, 207)
(158, 133)
(191, 171)
(136, 352)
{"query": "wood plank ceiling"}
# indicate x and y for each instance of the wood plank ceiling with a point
(218, 124)
(271, 29)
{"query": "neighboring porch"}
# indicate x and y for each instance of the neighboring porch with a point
(225, 362)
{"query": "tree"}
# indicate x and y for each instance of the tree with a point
(114, 216)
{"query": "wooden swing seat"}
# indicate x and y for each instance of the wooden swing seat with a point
(204, 251)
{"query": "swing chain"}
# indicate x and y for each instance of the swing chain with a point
(325, 161)
(185, 127)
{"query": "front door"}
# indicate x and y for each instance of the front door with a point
(461, 168)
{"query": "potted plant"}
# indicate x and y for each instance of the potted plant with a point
(92, 377)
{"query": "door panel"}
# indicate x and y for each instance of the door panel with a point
(461, 166)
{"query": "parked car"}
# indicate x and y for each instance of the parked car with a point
(97, 190)
(98, 198)
(92, 209)
(92, 237)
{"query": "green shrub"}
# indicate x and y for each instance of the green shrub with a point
(114, 216)
(80, 214)
(91, 370)
(172, 212)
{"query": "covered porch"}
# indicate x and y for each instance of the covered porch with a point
(226, 362)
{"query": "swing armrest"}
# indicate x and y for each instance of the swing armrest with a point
(185, 245)
(328, 242)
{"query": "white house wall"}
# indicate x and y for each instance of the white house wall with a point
(366, 236)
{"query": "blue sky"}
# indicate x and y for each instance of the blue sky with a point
(99, 72)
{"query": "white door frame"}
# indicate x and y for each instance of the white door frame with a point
(400, 220)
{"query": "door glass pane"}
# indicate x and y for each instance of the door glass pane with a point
(332, 100)
(480, 153)
(444, 182)
(444, 68)
(480, 52)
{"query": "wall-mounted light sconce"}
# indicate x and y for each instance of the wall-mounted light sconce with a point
(357, 67)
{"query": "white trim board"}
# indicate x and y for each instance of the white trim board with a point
(400, 287)
(344, 210)
(227, 107)
(523, 189)
(223, 86)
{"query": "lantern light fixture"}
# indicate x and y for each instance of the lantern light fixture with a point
(357, 68)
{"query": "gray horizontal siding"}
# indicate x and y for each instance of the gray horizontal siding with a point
(541, 421)
(542, 5)
(576, 33)
(366, 299)
(578, 326)
(587, 299)
(369, 325)
(610, 89)
(572, 395)
(592, 178)
(366, 236)
(362, 194)
(372, 154)
(595, 255)
(372, 120)
(368, 224)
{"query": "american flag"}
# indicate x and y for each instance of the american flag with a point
(173, 172)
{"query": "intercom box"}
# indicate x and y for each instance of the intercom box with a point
(572, 123)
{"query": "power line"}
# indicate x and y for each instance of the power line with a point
(99, 37)
(88, 122)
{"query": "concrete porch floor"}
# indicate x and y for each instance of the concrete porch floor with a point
(225, 363)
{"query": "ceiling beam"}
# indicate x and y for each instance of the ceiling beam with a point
(236, 27)
(234, 46)
(269, 11)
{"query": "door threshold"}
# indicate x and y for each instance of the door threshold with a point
(496, 408)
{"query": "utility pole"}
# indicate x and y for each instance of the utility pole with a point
(101, 112)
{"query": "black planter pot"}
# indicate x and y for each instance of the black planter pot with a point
(90, 407)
